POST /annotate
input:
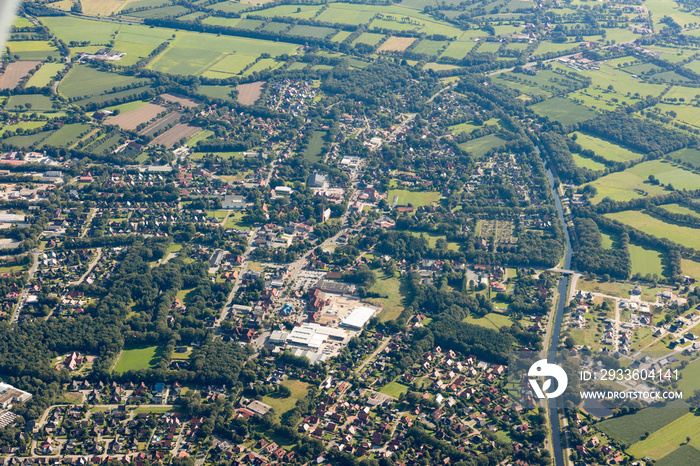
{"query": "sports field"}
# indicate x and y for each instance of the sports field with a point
(394, 389)
(138, 358)
(415, 198)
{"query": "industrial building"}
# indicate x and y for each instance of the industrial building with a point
(359, 317)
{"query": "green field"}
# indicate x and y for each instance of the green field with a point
(429, 47)
(563, 110)
(394, 389)
(32, 50)
(42, 77)
(195, 53)
(688, 155)
(480, 146)
(415, 198)
(690, 380)
(218, 92)
(38, 102)
(84, 81)
(458, 49)
(631, 428)
(134, 359)
(492, 320)
(392, 304)
(687, 454)
(634, 182)
(584, 162)
(669, 437)
(689, 237)
(369, 38)
(313, 150)
(282, 405)
(311, 31)
(66, 135)
(690, 268)
(606, 149)
(645, 261)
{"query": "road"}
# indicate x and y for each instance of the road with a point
(92, 265)
(374, 354)
(25, 290)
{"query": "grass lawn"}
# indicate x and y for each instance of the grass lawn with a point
(645, 261)
(686, 236)
(282, 405)
(218, 214)
(392, 305)
(631, 428)
(154, 409)
(480, 146)
(415, 198)
(690, 380)
(432, 240)
(394, 389)
(138, 358)
(313, 150)
(584, 162)
(491, 320)
(690, 268)
(669, 437)
(235, 221)
(689, 155)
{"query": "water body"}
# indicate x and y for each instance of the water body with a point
(555, 405)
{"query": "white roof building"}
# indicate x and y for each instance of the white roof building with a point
(359, 317)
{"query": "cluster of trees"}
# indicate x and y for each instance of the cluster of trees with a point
(589, 255)
(643, 136)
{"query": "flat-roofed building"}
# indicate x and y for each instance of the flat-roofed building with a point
(359, 317)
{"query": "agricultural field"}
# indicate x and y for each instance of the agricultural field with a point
(291, 11)
(133, 359)
(131, 120)
(47, 72)
(174, 135)
(32, 50)
(666, 439)
(563, 110)
(645, 261)
(634, 182)
(194, 53)
(610, 151)
(690, 268)
(312, 31)
(369, 38)
(429, 47)
(249, 93)
(687, 155)
(83, 81)
(161, 123)
(184, 102)
(217, 92)
(458, 49)
(14, 72)
(346, 13)
(631, 428)
(591, 164)
(396, 44)
(66, 135)
(29, 102)
(689, 237)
